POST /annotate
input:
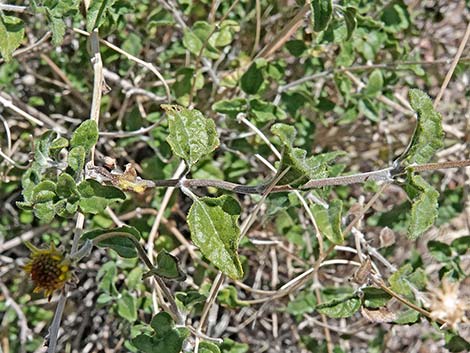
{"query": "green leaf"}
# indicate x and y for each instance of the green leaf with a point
(11, 35)
(302, 169)
(329, 220)
(97, 13)
(44, 191)
(166, 339)
(45, 211)
(229, 296)
(456, 343)
(168, 267)
(191, 135)
(57, 145)
(86, 135)
(441, 251)
(407, 317)
(322, 11)
(214, 230)
(428, 136)
(263, 112)
(304, 302)
(375, 297)
(107, 277)
(230, 107)
(197, 36)
(76, 159)
(424, 205)
(230, 346)
(127, 307)
(252, 79)
(403, 280)
(124, 246)
(57, 28)
(96, 197)
(461, 245)
(342, 302)
(208, 347)
(350, 19)
(42, 150)
(191, 298)
(162, 323)
(375, 83)
(66, 185)
(192, 42)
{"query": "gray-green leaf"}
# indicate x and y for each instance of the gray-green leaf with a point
(11, 35)
(329, 220)
(322, 11)
(124, 246)
(192, 135)
(403, 280)
(302, 169)
(96, 197)
(214, 230)
(343, 302)
(375, 83)
(127, 307)
(97, 13)
(424, 207)
(86, 135)
(428, 137)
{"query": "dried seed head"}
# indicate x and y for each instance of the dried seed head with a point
(48, 268)
(446, 304)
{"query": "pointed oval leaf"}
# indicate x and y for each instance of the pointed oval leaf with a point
(127, 307)
(214, 230)
(375, 297)
(97, 13)
(341, 307)
(424, 208)
(329, 220)
(168, 267)
(322, 11)
(86, 135)
(302, 169)
(96, 197)
(192, 135)
(428, 136)
(124, 246)
(11, 35)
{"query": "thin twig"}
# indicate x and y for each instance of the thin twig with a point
(13, 8)
(156, 224)
(94, 115)
(453, 65)
(141, 62)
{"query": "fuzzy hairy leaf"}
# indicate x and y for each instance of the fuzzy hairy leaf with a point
(11, 35)
(340, 303)
(94, 197)
(214, 230)
(329, 220)
(428, 137)
(424, 205)
(191, 135)
(97, 13)
(403, 280)
(86, 135)
(302, 169)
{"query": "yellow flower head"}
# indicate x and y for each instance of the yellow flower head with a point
(49, 269)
